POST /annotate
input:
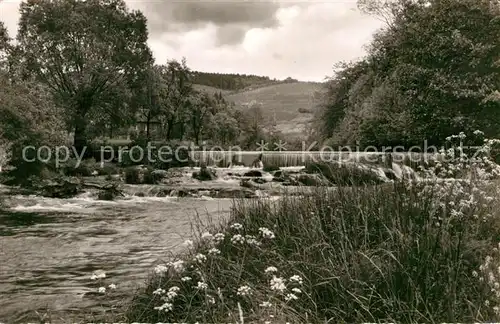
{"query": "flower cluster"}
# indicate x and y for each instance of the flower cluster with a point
(99, 275)
(190, 275)
(489, 275)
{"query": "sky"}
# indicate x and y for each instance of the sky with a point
(279, 39)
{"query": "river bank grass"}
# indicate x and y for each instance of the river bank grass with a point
(403, 252)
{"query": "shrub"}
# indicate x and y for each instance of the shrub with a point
(270, 168)
(132, 175)
(344, 174)
(305, 110)
(150, 177)
(108, 169)
(83, 169)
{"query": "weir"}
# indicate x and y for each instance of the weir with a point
(302, 158)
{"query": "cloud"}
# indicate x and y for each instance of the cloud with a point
(232, 17)
(9, 14)
(302, 40)
(305, 44)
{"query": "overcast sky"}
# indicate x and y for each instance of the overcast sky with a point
(300, 39)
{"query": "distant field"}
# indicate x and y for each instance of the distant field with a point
(211, 90)
(284, 102)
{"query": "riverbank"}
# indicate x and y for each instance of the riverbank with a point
(400, 252)
(345, 245)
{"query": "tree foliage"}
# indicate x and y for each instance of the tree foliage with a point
(434, 70)
(91, 55)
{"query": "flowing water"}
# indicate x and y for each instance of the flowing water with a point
(50, 248)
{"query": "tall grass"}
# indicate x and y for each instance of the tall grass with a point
(397, 252)
(390, 253)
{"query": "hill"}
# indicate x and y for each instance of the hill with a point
(290, 105)
(211, 90)
(233, 81)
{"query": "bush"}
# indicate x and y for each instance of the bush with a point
(270, 168)
(108, 169)
(132, 175)
(83, 169)
(344, 174)
(397, 252)
(305, 111)
(150, 177)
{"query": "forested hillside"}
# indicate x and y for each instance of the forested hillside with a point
(225, 81)
(434, 70)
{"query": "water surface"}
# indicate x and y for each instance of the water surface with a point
(50, 247)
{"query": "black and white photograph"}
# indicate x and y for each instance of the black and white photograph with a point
(249, 161)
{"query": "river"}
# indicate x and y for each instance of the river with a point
(50, 248)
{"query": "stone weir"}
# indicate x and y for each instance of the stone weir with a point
(302, 158)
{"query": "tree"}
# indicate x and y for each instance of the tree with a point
(431, 72)
(178, 87)
(29, 117)
(86, 52)
(152, 96)
(5, 48)
(223, 128)
(252, 121)
(199, 108)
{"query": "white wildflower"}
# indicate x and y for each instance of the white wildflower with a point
(252, 240)
(207, 236)
(159, 269)
(236, 226)
(219, 237)
(184, 279)
(102, 290)
(270, 269)
(266, 233)
(178, 265)
(277, 283)
(296, 290)
(188, 243)
(213, 251)
(99, 274)
(174, 288)
(289, 297)
(266, 304)
(112, 286)
(237, 239)
(201, 285)
(296, 279)
(172, 292)
(200, 258)
(159, 291)
(244, 291)
(165, 307)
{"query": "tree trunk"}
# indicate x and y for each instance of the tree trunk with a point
(182, 131)
(148, 124)
(80, 140)
(170, 128)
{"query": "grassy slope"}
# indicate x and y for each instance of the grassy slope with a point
(211, 90)
(285, 100)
